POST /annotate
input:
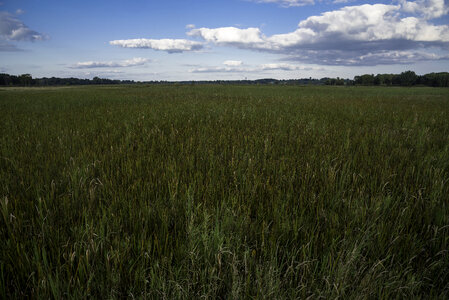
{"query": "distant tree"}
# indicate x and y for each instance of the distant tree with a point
(378, 79)
(408, 78)
(25, 80)
(435, 79)
(383, 79)
(366, 79)
(5, 79)
(334, 81)
(96, 80)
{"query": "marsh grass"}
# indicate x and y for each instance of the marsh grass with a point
(224, 192)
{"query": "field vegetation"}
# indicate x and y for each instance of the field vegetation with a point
(232, 192)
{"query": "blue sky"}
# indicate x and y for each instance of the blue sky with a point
(232, 39)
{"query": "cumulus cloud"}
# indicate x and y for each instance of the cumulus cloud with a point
(168, 45)
(366, 23)
(347, 36)
(233, 63)
(13, 29)
(137, 61)
(190, 26)
(429, 9)
(367, 34)
(229, 35)
(287, 3)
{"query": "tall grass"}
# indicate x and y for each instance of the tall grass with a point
(224, 192)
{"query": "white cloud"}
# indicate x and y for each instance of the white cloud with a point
(368, 34)
(366, 23)
(234, 63)
(283, 67)
(137, 61)
(429, 9)
(229, 35)
(217, 70)
(168, 45)
(343, 36)
(13, 29)
(287, 3)
(20, 11)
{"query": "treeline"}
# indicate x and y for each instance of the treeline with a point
(28, 80)
(408, 78)
(263, 81)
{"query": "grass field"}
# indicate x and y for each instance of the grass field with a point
(230, 192)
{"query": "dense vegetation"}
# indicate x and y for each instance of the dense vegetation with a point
(408, 78)
(28, 80)
(224, 192)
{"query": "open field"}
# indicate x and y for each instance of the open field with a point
(224, 192)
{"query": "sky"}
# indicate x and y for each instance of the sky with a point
(222, 39)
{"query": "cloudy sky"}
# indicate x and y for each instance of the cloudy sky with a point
(222, 39)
